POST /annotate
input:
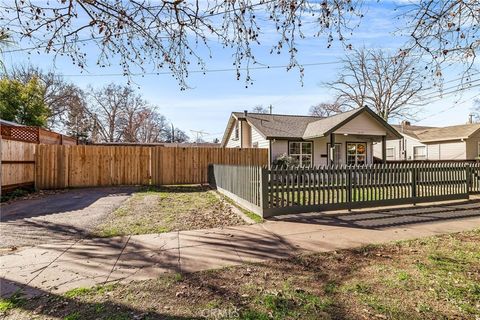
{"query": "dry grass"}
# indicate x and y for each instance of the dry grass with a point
(431, 278)
(165, 209)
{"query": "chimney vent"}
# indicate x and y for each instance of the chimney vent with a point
(405, 123)
(245, 112)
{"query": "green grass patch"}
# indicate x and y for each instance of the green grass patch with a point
(80, 292)
(14, 301)
(166, 209)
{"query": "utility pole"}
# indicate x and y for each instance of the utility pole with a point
(173, 134)
(270, 107)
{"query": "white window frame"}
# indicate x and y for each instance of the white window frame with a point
(416, 156)
(356, 155)
(392, 157)
(299, 156)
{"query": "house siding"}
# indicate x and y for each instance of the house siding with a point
(472, 148)
(445, 150)
(232, 142)
(452, 150)
(363, 124)
(259, 139)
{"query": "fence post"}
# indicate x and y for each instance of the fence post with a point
(414, 184)
(349, 188)
(211, 176)
(263, 189)
(468, 172)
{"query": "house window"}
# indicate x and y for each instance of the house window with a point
(390, 154)
(337, 153)
(302, 152)
(236, 131)
(478, 150)
(356, 153)
(419, 153)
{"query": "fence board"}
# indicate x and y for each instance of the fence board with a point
(296, 190)
(86, 166)
(17, 163)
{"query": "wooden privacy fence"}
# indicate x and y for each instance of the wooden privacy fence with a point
(91, 166)
(295, 190)
(35, 134)
(17, 164)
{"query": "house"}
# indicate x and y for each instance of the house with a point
(308, 139)
(460, 142)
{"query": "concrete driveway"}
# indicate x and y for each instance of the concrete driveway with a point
(58, 217)
(58, 267)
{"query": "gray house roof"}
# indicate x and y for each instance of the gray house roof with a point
(458, 132)
(410, 130)
(280, 126)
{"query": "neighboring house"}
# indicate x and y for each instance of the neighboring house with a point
(461, 142)
(308, 138)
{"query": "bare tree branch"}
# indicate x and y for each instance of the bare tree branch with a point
(388, 84)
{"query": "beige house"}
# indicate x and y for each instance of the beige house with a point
(461, 142)
(346, 138)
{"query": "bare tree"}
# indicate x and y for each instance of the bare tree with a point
(152, 126)
(175, 135)
(447, 30)
(60, 95)
(121, 115)
(174, 34)
(389, 85)
(476, 109)
(106, 106)
(5, 40)
(171, 34)
(325, 110)
(260, 109)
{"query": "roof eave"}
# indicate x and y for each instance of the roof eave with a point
(444, 139)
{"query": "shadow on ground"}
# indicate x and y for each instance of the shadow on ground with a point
(74, 199)
(386, 218)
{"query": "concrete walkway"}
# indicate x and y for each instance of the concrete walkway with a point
(58, 267)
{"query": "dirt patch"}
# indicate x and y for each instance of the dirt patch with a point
(165, 209)
(431, 278)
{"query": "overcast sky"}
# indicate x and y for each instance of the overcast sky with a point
(212, 97)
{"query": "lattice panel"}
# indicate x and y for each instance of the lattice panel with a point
(28, 134)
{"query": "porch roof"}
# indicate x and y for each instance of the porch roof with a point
(326, 126)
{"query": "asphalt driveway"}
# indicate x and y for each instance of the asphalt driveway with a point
(58, 217)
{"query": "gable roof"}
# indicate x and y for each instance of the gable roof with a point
(324, 126)
(279, 126)
(435, 134)
(458, 132)
(411, 130)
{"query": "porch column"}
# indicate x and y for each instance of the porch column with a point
(332, 149)
(384, 149)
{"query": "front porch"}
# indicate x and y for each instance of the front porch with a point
(335, 149)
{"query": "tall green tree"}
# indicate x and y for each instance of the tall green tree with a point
(23, 103)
